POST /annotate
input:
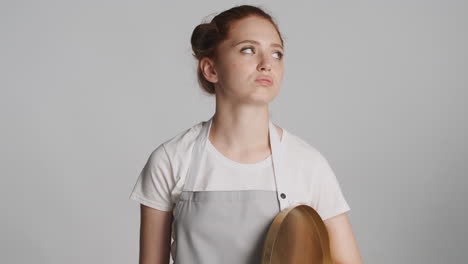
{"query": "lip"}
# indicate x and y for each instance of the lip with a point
(265, 80)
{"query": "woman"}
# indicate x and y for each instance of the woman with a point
(216, 187)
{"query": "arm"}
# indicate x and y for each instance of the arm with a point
(155, 235)
(343, 245)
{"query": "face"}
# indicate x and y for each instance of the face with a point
(253, 51)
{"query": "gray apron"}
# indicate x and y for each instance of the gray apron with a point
(212, 227)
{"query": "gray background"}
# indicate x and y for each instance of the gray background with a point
(90, 88)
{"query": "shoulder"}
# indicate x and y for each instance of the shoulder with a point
(300, 152)
(183, 140)
(172, 153)
(180, 141)
(311, 179)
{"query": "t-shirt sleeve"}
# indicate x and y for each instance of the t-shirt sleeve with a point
(331, 201)
(155, 182)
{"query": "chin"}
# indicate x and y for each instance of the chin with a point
(260, 95)
(260, 99)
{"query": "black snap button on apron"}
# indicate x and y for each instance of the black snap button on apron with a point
(283, 195)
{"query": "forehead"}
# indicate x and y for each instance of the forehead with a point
(253, 28)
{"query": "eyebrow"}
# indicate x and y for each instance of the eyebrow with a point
(257, 43)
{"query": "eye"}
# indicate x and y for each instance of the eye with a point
(247, 48)
(280, 55)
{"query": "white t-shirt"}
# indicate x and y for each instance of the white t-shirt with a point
(162, 178)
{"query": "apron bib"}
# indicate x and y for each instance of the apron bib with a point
(212, 227)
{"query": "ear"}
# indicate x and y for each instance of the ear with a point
(207, 67)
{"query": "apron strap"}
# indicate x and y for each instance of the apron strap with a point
(198, 158)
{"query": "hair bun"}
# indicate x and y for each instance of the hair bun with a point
(204, 37)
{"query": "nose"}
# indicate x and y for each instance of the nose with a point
(265, 63)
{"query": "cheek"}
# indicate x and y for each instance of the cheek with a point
(239, 64)
(234, 66)
(280, 71)
(236, 69)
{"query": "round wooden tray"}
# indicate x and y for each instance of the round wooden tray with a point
(297, 235)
